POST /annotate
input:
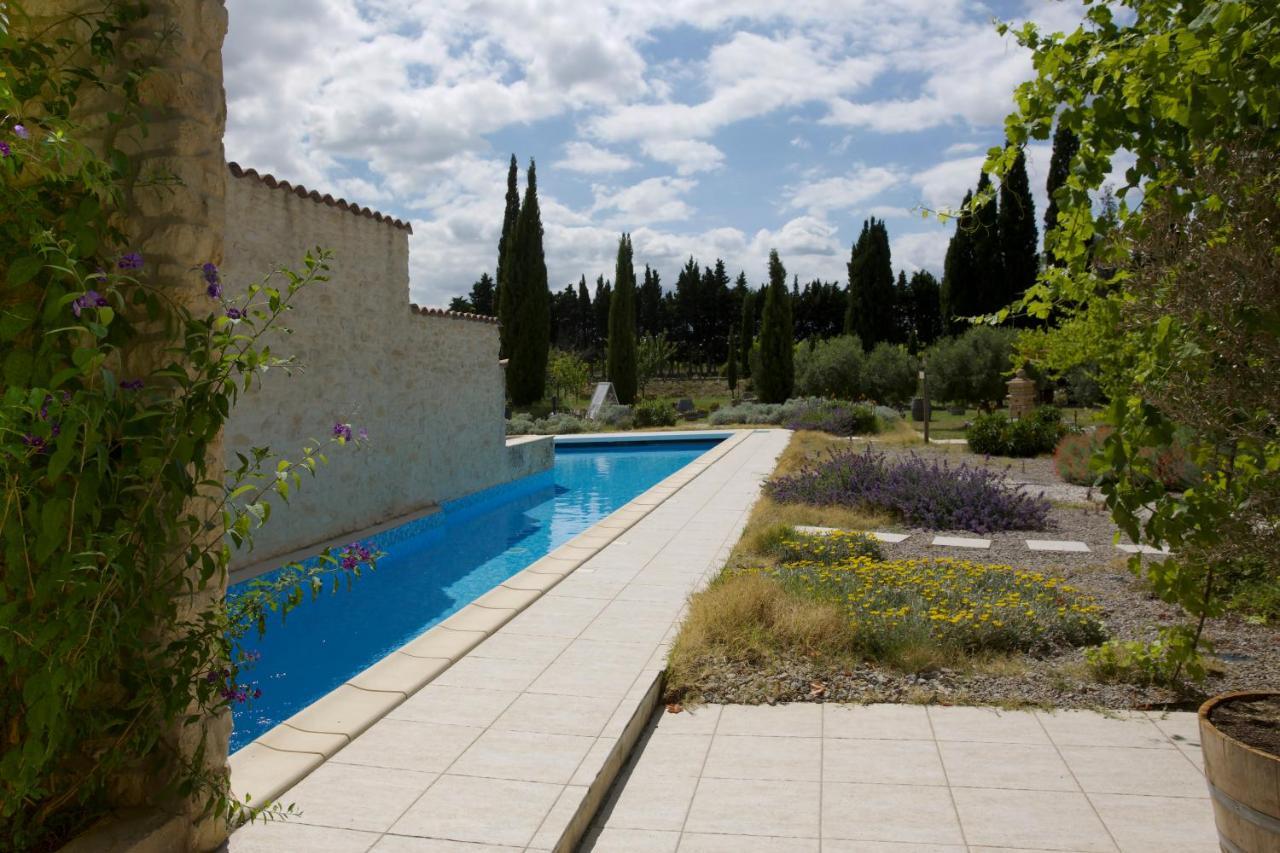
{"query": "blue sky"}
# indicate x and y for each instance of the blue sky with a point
(717, 128)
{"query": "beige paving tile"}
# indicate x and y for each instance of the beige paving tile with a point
(526, 756)
(476, 618)
(903, 813)
(409, 844)
(490, 673)
(615, 630)
(510, 646)
(666, 754)
(556, 616)
(407, 745)
(350, 796)
(574, 675)
(1040, 820)
(599, 759)
(569, 803)
(1088, 728)
(553, 714)
(1122, 770)
(1157, 824)
(799, 719)
(443, 643)
(507, 598)
(986, 725)
(754, 807)
(277, 836)
(885, 762)
(457, 706)
(1005, 765)
(631, 841)
(694, 720)
(288, 739)
(843, 846)
(345, 710)
(400, 673)
(651, 802)
(1182, 727)
(698, 842)
(892, 722)
(263, 773)
(460, 808)
(758, 757)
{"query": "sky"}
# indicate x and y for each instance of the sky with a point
(711, 128)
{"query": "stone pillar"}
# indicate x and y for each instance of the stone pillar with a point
(1022, 395)
(176, 227)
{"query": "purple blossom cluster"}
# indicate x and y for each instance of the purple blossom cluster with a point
(212, 280)
(90, 299)
(352, 556)
(130, 261)
(933, 495)
(836, 418)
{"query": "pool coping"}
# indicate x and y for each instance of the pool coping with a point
(279, 758)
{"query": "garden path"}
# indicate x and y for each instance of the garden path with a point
(843, 778)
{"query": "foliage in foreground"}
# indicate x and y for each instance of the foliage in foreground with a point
(996, 434)
(929, 494)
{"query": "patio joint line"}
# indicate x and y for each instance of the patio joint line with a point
(1088, 799)
(946, 778)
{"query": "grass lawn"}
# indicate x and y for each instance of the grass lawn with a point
(946, 425)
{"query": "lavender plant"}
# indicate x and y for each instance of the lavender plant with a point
(930, 494)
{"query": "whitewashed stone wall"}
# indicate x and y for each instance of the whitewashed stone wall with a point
(427, 387)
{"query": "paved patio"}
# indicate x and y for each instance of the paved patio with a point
(514, 745)
(906, 778)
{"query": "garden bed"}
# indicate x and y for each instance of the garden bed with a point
(753, 643)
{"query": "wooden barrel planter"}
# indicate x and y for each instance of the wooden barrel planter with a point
(1244, 780)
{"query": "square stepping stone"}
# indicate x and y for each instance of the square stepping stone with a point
(809, 530)
(1063, 546)
(960, 542)
(1142, 549)
(891, 538)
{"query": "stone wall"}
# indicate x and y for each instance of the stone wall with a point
(426, 384)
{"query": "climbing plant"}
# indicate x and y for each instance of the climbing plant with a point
(116, 642)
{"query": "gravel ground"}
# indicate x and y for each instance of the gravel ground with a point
(1247, 656)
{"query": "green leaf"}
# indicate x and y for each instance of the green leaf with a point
(23, 270)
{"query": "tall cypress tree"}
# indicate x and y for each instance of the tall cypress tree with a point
(956, 297)
(1065, 146)
(649, 309)
(777, 349)
(731, 368)
(870, 312)
(988, 260)
(586, 320)
(509, 218)
(621, 362)
(747, 326)
(529, 302)
(600, 331)
(926, 312)
(1019, 240)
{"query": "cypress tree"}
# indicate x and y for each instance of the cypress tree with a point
(870, 311)
(600, 328)
(649, 310)
(926, 312)
(621, 361)
(586, 320)
(988, 260)
(509, 218)
(777, 349)
(1065, 146)
(956, 295)
(747, 327)
(529, 302)
(1019, 240)
(731, 369)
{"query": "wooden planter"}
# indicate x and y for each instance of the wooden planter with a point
(1244, 783)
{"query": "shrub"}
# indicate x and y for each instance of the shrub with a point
(653, 413)
(843, 419)
(830, 368)
(1074, 454)
(887, 415)
(520, 424)
(889, 375)
(619, 417)
(997, 435)
(953, 604)
(747, 413)
(970, 368)
(834, 547)
(932, 495)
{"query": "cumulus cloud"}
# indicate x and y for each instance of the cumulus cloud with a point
(588, 159)
(845, 191)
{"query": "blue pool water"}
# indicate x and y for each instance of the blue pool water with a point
(435, 566)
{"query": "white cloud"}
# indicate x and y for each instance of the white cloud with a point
(588, 159)
(959, 148)
(839, 193)
(651, 200)
(921, 249)
(687, 155)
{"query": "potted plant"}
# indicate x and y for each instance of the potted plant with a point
(1240, 738)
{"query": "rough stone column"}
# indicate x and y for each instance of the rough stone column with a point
(176, 227)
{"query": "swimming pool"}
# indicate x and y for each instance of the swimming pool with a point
(437, 565)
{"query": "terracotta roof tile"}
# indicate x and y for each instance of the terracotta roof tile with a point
(456, 315)
(326, 199)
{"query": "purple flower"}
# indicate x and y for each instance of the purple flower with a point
(35, 442)
(353, 555)
(5, 150)
(91, 299)
(342, 431)
(234, 313)
(131, 384)
(130, 261)
(364, 434)
(21, 132)
(257, 693)
(55, 429)
(212, 281)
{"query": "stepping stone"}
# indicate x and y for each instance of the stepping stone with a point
(891, 538)
(1064, 546)
(1143, 549)
(961, 542)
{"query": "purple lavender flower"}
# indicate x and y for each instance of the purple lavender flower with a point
(55, 429)
(130, 261)
(212, 281)
(234, 313)
(342, 431)
(5, 150)
(21, 132)
(131, 384)
(35, 442)
(90, 299)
